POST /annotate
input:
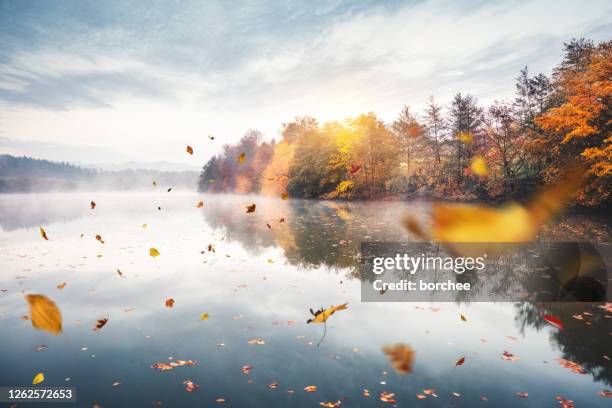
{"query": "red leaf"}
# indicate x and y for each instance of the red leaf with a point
(355, 168)
(555, 321)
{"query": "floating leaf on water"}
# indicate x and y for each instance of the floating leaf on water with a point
(310, 388)
(387, 397)
(321, 316)
(281, 220)
(38, 378)
(257, 341)
(190, 386)
(43, 233)
(509, 356)
(44, 314)
(100, 324)
(153, 252)
(273, 385)
(246, 369)
(172, 365)
(522, 394)
(189, 149)
(330, 404)
(211, 137)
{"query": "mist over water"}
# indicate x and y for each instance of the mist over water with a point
(259, 283)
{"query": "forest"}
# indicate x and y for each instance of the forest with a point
(463, 151)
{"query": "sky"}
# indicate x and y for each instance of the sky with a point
(135, 81)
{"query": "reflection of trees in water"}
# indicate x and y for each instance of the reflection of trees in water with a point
(586, 344)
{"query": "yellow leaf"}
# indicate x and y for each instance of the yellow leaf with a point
(463, 318)
(479, 167)
(204, 316)
(144, 225)
(43, 233)
(200, 204)
(465, 137)
(38, 378)
(285, 196)
(153, 252)
(44, 314)
(322, 315)
(241, 158)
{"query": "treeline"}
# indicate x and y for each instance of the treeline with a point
(462, 151)
(25, 175)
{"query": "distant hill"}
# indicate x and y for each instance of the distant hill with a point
(25, 174)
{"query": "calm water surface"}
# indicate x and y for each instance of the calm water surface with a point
(259, 283)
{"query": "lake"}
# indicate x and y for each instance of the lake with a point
(257, 283)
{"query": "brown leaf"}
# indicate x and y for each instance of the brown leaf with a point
(44, 314)
(189, 149)
(100, 324)
(200, 204)
(250, 208)
(401, 357)
(285, 196)
(61, 285)
(43, 233)
(99, 238)
(93, 205)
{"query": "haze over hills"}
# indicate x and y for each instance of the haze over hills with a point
(29, 175)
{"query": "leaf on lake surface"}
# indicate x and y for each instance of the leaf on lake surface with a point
(43, 233)
(330, 404)
(310, 388)
(565, 403)
(61, 285)
(170, 302)
(463, 318)
(38, 378)
(285, 196)
(153, 252)
(173, 364)
(246, 369)
(100, 324)
(321, 315)
(204, 316)
(459, 362)
(401, 357)
(200, 204)
(190, 386)
(575, 367)
(430, 391)
(522, 394)
(479, 167)
(250, 208)
(241, 157)
(99, 238)
(365, 393)
(93, 205)
(387, 397)
(44, 314)
(605, 394)
(509, 356)
(257, 341)
(273, 385)
(189, 149)
(555, 321)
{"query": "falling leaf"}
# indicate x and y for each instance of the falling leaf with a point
(43, 233)
(463, 318)
(100, 324)
(246, 369)
(169, 190)
(401, 357)
(250, 208)
(459, 362)
(99, 238)
(310, 388)
(190, 386)
(200, 204)
(211, 137)
(44, 314)
(555, 321)
(355, 168)
(61, 285)
(479, 167)
(189, 149)
(281, 220)
(321, 316)
(285, 196)
(38, 378)
(144, 225)
(93, 205)
(465, 137)
(170, 302)
(153, 252)
(204, 316)
(509, 356)
(241, 158)
(461, 223)
(119, 273)
(211, 248)
(154, 182)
